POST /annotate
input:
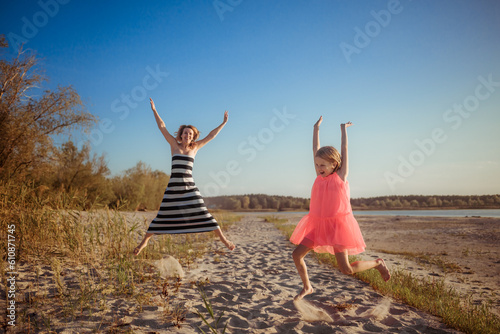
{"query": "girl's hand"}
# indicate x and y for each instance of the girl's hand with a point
(152, 104)
(225, 117)
(345, 125)
(318, 123)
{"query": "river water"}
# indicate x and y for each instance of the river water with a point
(435, 213)
(426, 213)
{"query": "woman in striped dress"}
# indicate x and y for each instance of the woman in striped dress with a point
(182, 209)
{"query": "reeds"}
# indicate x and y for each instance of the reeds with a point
(430, 295)
(74, 262)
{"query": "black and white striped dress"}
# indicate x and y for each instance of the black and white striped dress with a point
(182, 209)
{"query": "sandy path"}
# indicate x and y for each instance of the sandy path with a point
(255, 285)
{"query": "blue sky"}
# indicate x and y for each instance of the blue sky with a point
(420, 80)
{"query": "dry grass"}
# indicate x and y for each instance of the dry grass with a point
(74, 263)
(426, 259)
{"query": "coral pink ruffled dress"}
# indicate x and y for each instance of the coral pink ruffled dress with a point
(330, 226)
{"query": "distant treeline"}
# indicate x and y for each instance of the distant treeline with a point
(427, 202)
(257, 202)
(287, 203)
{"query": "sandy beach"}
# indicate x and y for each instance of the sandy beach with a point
(469, 245)
(255, 284)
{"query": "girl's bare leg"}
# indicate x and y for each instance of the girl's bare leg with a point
(143, 243)
(298, 258)
(358, 266)
(224, 240)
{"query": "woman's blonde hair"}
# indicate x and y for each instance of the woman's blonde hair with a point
(178, 134)
(330, 154)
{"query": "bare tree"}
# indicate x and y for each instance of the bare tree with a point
(29, 115)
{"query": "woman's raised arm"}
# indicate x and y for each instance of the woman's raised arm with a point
(213, 133)
(161, 125)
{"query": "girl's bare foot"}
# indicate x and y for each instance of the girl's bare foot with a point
(304, 293)
(384, 271)
(141, 246)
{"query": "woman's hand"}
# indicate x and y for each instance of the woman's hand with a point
(226, 116)
(318, 123)
(152, 104)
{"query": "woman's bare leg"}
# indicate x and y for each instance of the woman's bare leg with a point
(143, 243)
(298, 258)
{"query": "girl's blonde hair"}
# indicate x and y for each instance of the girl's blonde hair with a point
(330, 154)
(178, 134)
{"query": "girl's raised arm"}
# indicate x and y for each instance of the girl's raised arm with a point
(213, 133)
(316, 135)
(344, 168)
(161, 125)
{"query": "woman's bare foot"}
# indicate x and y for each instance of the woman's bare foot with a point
(141, 246)
(304, 293)
(383, 270)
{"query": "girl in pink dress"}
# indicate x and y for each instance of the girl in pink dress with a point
(330, 226)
